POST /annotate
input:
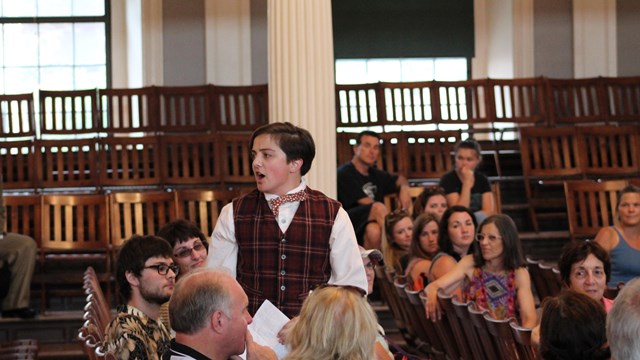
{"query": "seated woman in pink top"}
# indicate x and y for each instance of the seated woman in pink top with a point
(495, 276)
(585, 267)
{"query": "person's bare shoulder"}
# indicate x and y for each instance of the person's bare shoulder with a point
(607, 237)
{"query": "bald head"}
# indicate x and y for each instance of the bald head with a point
(199, 294)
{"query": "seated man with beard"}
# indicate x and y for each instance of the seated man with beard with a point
(146, 276)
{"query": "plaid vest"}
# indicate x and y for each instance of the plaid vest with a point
(283, 267)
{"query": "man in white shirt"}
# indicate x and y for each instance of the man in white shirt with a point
(283, 238)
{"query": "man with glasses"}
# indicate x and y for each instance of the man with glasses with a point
(146, 277)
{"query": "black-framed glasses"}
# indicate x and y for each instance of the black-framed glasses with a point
(186, 252)
(163, 269)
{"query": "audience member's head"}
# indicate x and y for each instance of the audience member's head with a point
(500, 232)
(367, 148)
(208, 312)
(145, 267)
(430, 200)
(468, 154)
(297, 143)
(573, 327)
(457, 233)
(585, 267)
(335, 323)
(190, 246)
(370, 259)
(623, 322)
(396, 236)
(424, 244)
(628, 198)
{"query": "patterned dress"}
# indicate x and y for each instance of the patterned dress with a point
(133, 335)
(494, 292)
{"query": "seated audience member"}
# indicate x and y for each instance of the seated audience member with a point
(335, 323)
(210, 317)
(362, 188)
(572, 327)
(424, 246)
(623, 323)
(371, 258)
(145, 273)
(456, 237)
(190, 246)
(585, 267)
(18, 252)
(622, 241)
(464, 185)
(190, 250)
(431, 200)
(396, 239)
(496, 275)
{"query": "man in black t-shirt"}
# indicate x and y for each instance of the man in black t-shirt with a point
(362, 187)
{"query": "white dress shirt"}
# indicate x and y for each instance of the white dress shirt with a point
(346, 263)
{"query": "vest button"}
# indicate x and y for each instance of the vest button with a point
(283, 240)
(283, 272)
(283, 256)
(282, 288)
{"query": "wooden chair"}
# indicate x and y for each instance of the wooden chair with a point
(538, 281)
(522, 336)
(428, 329)
(610, 151)
(236, 167)
(141, 213)
(462, 101)
(635, 182)
(549, 156)
(18, 116)
(23, 215)
(502, 337)
(429, 153)
(17, 162)
(572, 101)
(21, 349)
(68, 112)
(414, 328)
(75, 234)
(240, 108)
(445, 333)
(477, 318)
(98, 305)
(591, 206)
(518, 101)
(359, 105)
(344, 147)
(125, 111)
(459, 335)
(387, 292)
(203, 206)
(66, 163)
(190, 159)
(130, 161)
(393, 153)
(391, 201)
(551, 276)
(621, 94)
(185, 109)
(471, 336)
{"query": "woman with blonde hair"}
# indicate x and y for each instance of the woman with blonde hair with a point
(336, 322)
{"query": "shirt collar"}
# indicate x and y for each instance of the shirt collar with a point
(302, 186)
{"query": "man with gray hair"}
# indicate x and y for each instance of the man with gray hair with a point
(209, 313)
(623, 323)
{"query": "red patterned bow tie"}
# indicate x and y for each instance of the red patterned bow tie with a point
(277, 202)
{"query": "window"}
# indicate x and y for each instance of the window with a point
(53, 45)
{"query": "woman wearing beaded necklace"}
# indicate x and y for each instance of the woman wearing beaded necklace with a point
(495, 276)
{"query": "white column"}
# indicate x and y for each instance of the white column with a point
(152, 55)
(523, 65)
(594, 38)
(301, 79)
